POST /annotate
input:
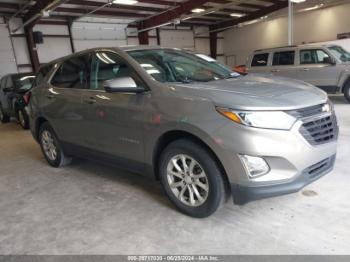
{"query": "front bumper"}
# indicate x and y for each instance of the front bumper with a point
(245, 194)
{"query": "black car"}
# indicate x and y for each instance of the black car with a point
(14, 96)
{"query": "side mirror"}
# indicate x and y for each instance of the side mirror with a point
(122, 85)
(7, 89)
(329, 60)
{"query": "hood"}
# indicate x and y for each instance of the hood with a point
(257, 92)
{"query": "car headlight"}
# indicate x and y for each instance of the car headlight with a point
(260, 119)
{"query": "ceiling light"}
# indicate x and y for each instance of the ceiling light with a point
(125, 2)
(312, 8)
(236, 14)
(297, 1)
(198, 10)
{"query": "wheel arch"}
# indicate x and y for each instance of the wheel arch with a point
(171, 136)
(346, 82)
(38, 123)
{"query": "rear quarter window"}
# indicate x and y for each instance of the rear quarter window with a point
(260, 59)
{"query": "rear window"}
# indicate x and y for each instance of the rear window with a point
(283, 58)
(260, 59)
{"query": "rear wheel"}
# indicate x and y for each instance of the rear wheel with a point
(51, 147)
(3, 117)
(23, 118)
(191, 178)
(347, 91)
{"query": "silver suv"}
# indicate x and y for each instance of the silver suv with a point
(184, 119)
(325, 66)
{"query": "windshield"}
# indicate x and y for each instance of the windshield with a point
(340, 53)
(178, 66)
(23, 82)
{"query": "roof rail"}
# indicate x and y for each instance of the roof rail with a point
(258, 50)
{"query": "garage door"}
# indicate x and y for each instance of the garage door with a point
(7, 59)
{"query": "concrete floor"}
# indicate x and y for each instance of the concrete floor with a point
(87, 208)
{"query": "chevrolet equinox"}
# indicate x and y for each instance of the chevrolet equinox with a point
(205, 132)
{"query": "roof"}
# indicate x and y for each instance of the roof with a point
(290, 47)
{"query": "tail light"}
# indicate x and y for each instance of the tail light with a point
(26, 97)
(240, 69)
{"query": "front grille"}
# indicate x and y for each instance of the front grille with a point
(318, 127)
(307, 112)
(318, 169)
(319, 130)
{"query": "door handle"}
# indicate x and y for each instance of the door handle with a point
(275, 71)
(49, 96)
(306, 69)
(90, 100)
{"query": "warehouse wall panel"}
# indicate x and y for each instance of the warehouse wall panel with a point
(7, 58)
(311, 26)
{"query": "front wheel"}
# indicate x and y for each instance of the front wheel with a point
(51, 147)
(347, 91)
(23, 118)
(191, 178)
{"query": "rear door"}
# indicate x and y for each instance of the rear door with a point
(314, 69)
(63, 99)
(6, 96)
(283, 64)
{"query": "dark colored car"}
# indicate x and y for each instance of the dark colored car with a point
(14, 96)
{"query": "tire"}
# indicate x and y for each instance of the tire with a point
(23, 118)
(347, 91)
(3, 117)
(51, 147)
(178, 187)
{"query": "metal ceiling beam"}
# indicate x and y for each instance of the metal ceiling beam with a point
(124, 7)
(36, 11)
(170, 15)
(9, 6)
(252, 16)
(98, 12)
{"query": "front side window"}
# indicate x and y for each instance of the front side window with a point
(170, 65)
(313, 56)
(42, 74)
(3, 82)
(107, 66)
(260, 59)
(283, 58)
(73, 73)
(340, 53)
(9, 83)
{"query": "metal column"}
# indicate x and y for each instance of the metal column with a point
(290, 23)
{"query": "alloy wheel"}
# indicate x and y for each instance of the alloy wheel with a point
(49, 145)
(187, 180)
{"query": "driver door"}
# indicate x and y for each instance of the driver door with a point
(314, 69)
(115, 121)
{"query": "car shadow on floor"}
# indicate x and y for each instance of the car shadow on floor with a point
(338, 99)
(122, 178)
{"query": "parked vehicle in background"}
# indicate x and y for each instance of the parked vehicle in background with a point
(204, 131)
(14, 96)
(325, 66)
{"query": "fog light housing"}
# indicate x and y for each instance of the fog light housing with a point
(255, 166)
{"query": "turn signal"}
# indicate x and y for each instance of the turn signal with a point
(229, 114)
